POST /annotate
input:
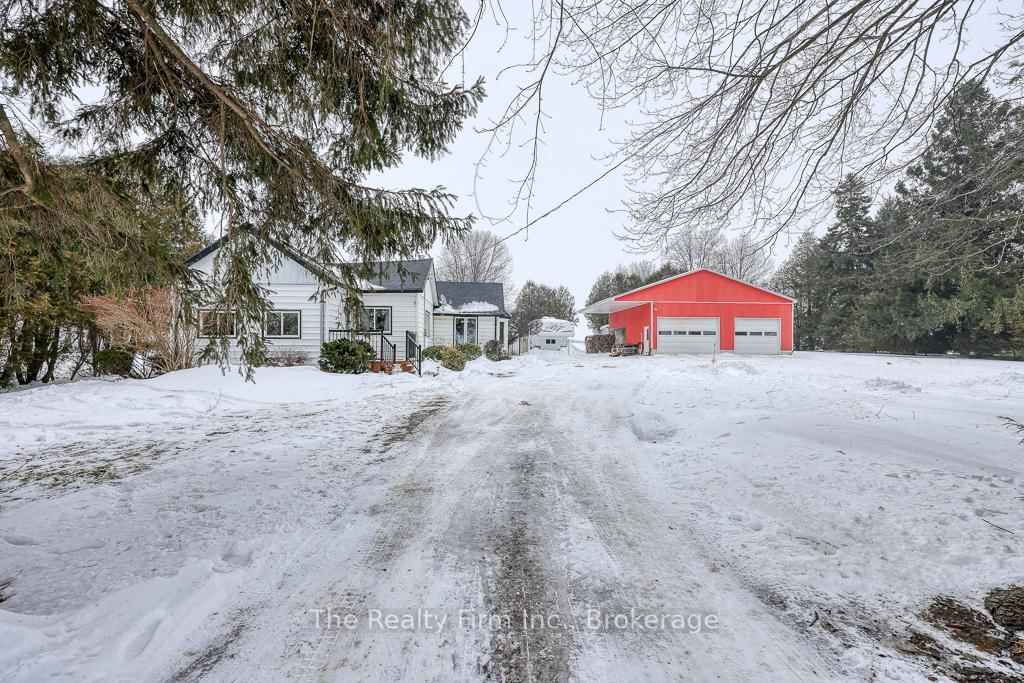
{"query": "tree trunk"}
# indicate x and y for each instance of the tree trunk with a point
(52, 355)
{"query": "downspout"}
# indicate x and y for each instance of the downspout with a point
(323, 318)
(650, 341)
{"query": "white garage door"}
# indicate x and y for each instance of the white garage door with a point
(758, 335)
(687, 335)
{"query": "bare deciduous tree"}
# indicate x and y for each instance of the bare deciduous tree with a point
(746, 258)
(150, 321)
(743, 257)
(475, 256)
(695, 248)
(753, 111)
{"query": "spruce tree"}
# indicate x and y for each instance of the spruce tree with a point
(973, 261)
(843, 265)
(266, 116)
(800, 276)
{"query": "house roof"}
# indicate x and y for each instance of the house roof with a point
(408, 275)
(613, 303)
(471, 298)
(399, 276)
(323, 273)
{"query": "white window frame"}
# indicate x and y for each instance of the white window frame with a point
(366, 314)
(280, 314)
(203, 312)
(465, 330)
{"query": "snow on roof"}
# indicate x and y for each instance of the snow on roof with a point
(458, 295)
(468, 307)
(549, 325)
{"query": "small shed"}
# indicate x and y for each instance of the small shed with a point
(552, 334)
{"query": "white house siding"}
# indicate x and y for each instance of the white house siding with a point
(444, 329)
(292, 288)
(285, 297)
(288, 271)
(428, 301)
(405, 309)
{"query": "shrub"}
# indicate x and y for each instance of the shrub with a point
(495, 351)
(448, 356)
(286, 357)
(345, 355)
(116, 360)
(470, 351)
(150, 320)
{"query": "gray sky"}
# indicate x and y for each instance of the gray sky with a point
(575, 244)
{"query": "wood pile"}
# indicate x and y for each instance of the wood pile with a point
(600, 343)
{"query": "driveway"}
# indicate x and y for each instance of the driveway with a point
(550, 518)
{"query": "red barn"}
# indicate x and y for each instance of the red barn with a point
(701, 312)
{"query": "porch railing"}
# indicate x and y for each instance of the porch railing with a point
(414, 352)
(383, 347)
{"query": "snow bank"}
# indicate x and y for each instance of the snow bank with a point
(90, 406)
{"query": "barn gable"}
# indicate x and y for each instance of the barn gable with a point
(700, 286)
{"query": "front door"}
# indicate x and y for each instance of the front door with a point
(465, 331)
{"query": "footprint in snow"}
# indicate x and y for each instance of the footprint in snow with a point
(143, 636)
(236, 558)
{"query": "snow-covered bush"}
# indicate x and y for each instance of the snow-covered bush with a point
(494, 351)
(448, 356)
(349, 356)
(470, 351)
(116, 360)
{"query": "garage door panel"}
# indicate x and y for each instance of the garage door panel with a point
(688, 335)
(758, 335)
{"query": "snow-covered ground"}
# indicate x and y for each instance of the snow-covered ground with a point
(759, 518)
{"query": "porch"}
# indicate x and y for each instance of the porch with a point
(386, 351)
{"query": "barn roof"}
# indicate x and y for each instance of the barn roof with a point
(615, 303)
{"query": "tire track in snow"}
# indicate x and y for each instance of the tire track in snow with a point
(653, 572)
(404, 517)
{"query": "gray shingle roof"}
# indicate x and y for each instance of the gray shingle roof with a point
(458, 294)
(389, 276)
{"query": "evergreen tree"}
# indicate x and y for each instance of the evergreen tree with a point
(267, 117)
(842, 264)
(622, 279)
(57, 252)
(973, 259)
(799, 277)
(537, 300)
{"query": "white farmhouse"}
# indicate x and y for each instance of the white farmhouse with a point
(404, 308)
(552, 334)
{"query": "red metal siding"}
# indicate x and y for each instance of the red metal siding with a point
(703, 295)
(633, 319)
(703, 286)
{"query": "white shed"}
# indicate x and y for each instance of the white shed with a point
(552, 334)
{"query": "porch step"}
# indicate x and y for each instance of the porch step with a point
(380, 366)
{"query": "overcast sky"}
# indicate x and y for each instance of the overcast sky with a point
(575, 244)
